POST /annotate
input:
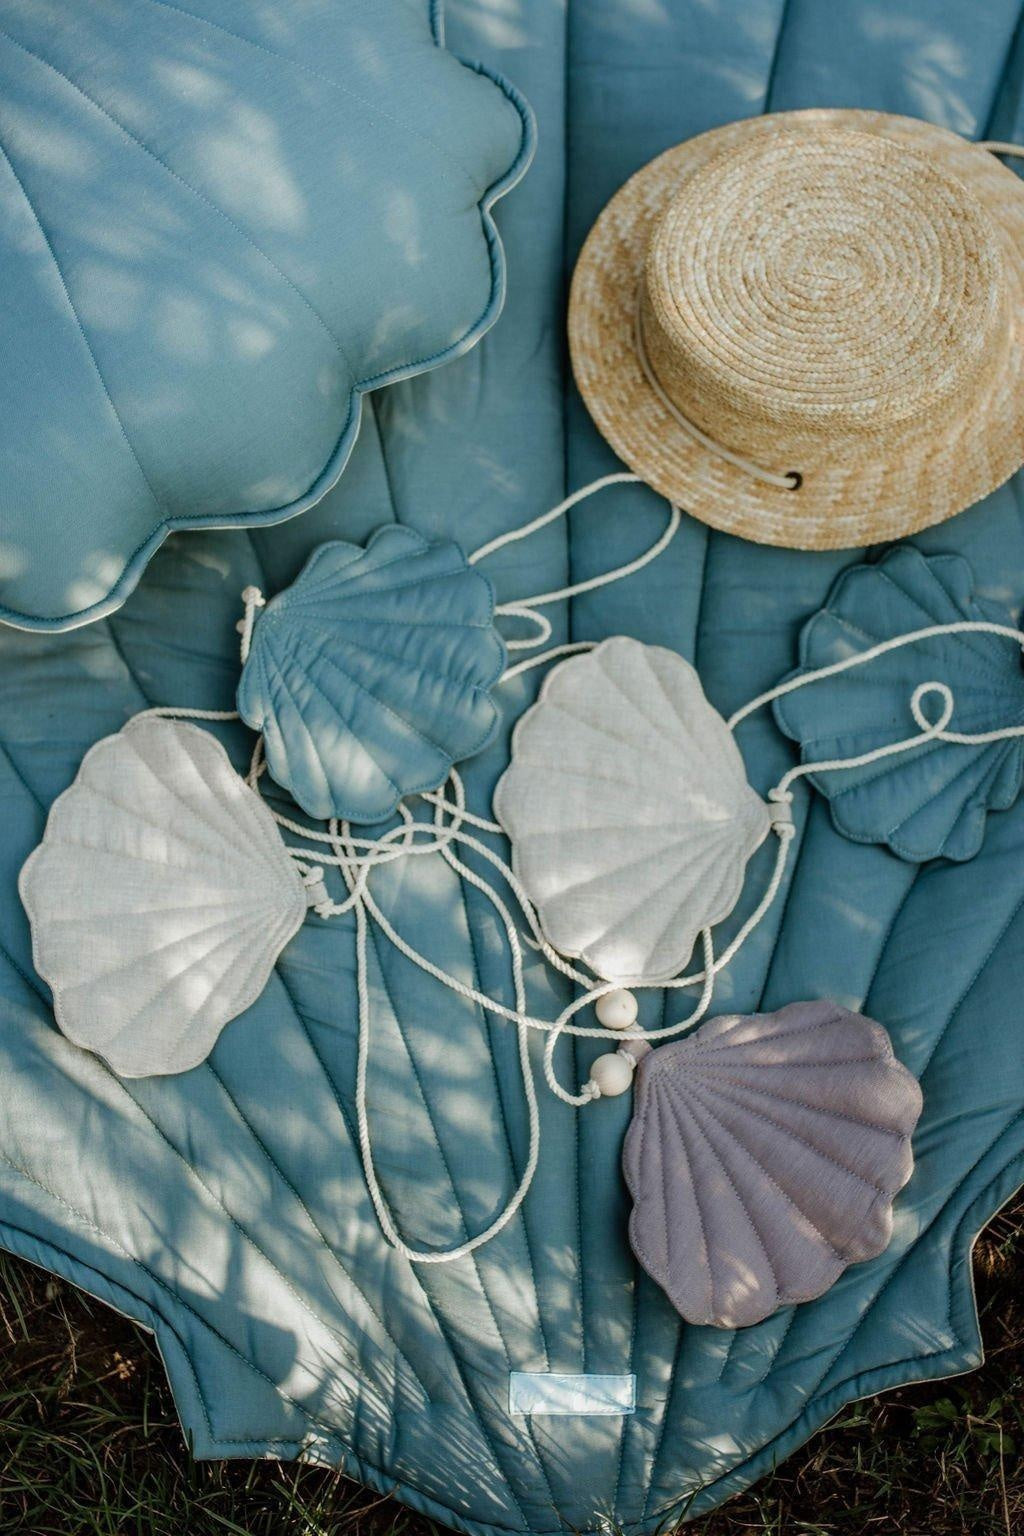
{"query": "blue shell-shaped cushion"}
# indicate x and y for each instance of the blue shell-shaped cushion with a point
(369, 675)
(220, 223)
(932, 800)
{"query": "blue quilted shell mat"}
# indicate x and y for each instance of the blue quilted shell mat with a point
(226, 1208)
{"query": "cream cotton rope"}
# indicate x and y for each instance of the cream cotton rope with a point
(356, 857)
(791, 481)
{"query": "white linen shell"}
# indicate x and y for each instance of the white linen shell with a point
(160, 897)
(628, 809)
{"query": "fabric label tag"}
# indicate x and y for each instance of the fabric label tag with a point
(548, 1392)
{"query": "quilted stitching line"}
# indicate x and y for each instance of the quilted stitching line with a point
(324, 1244)
(144, 1305)
(773, 1358)
(818, 1151)
(1001, 78)
(19, 775)
(31, 981)
(623, 1435)
(77, 317)
(891, 1370)
(634, 1323)
(478, 984)
(889, 931)
(442, 1329)
(318, 74)
(282, 682)
(898, 1266)
(702, 1099)
(1000, 936)
(727, 1356)
(698, 622)
(835, 1114)
(258, 1444)
(681, 1334)
(739, 1201)
(325, 637)
(201, 196)
(125, 1253)
(773, 66)
(644, 1252)
(786, 1066)
(408, 623)
(975, 802)
(462, 1221)
(110, 629)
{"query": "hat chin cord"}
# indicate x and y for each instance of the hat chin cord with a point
(791, 481)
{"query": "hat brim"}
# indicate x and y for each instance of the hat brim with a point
(839, 505)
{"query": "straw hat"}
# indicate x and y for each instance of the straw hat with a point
(805, 328)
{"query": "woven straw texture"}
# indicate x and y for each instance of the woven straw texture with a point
(837, 293)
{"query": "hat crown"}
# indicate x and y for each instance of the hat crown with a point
(805, 286)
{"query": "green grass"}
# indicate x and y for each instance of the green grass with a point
(90, 1446)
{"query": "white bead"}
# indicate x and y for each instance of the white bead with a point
(613, 1074)
(617, 1010)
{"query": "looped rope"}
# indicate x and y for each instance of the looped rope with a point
(523, 606)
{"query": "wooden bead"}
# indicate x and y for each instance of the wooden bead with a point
(613, 1074)
(617, 1010)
